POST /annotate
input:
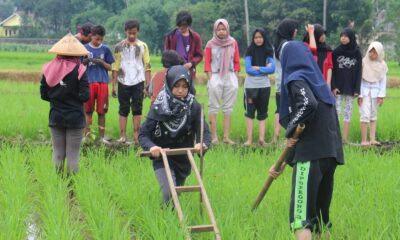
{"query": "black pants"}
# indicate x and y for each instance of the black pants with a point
(312, 188)
(256, 99)
(130, 97)
(277, 101)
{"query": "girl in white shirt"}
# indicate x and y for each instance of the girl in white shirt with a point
(373, 91)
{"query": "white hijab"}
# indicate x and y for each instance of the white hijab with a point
(374, 70)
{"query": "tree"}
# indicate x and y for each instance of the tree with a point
(54, 21)
(111, 6)
(96, 15)
(154, 22)
(392, 25)
(6, 9)
(234, 13)
(301, 10)
(204, 15)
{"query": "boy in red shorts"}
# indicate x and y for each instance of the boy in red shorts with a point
(99, 63)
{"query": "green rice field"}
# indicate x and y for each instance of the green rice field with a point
(116, 195)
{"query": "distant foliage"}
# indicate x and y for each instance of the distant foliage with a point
(54, 18)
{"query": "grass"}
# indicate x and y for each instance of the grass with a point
(54, 216)
(117, 195)
(394, 70)
(33, 62)
(15, 194)
(25, 116)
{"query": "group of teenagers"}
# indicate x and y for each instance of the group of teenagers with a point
(312, 82)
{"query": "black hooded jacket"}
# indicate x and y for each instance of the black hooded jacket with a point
(347, 66)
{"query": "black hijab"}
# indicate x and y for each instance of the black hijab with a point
(351, 49)
(259, 54)
(284, 33)
(169, 110)
(322, 48)
(299, 64)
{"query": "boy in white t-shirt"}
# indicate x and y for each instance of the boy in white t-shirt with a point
(132, 69)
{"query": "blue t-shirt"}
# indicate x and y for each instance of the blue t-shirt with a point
(97, 73)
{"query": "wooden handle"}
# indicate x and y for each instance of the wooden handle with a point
(278, 165)
(299, 130)
(169, 152)
(201, 153)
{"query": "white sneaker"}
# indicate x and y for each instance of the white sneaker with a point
(121, 140)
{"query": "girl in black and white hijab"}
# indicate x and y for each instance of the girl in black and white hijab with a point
(173, 122)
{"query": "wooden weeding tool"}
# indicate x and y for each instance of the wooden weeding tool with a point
(179, 189)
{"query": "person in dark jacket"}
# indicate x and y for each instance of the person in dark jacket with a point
(186, 42)
(346, 76)
(306, 98)
(174, 122)
(64, 84)
(286, 31)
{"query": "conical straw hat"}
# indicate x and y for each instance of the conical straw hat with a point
(69, 46)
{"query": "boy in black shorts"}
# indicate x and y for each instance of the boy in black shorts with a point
(306, 98)
(132, 69)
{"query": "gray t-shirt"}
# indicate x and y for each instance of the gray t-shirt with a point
(278, 75)
(278, 71)
(257, 82)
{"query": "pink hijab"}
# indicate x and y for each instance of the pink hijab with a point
(227, 46)
(58, 68)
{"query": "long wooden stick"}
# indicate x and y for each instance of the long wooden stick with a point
(201, 153)
(207, 203)
(172, 187)
(278, 164)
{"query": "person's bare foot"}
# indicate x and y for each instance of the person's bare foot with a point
(247, 143)
(374, 142)
(228, 141)
(262, 143)
(215, 141)
(365, 144)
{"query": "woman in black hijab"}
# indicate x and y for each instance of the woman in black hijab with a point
(307, 99)
(346, 76)
(286, 31)
(173, 122)
(259, 63)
